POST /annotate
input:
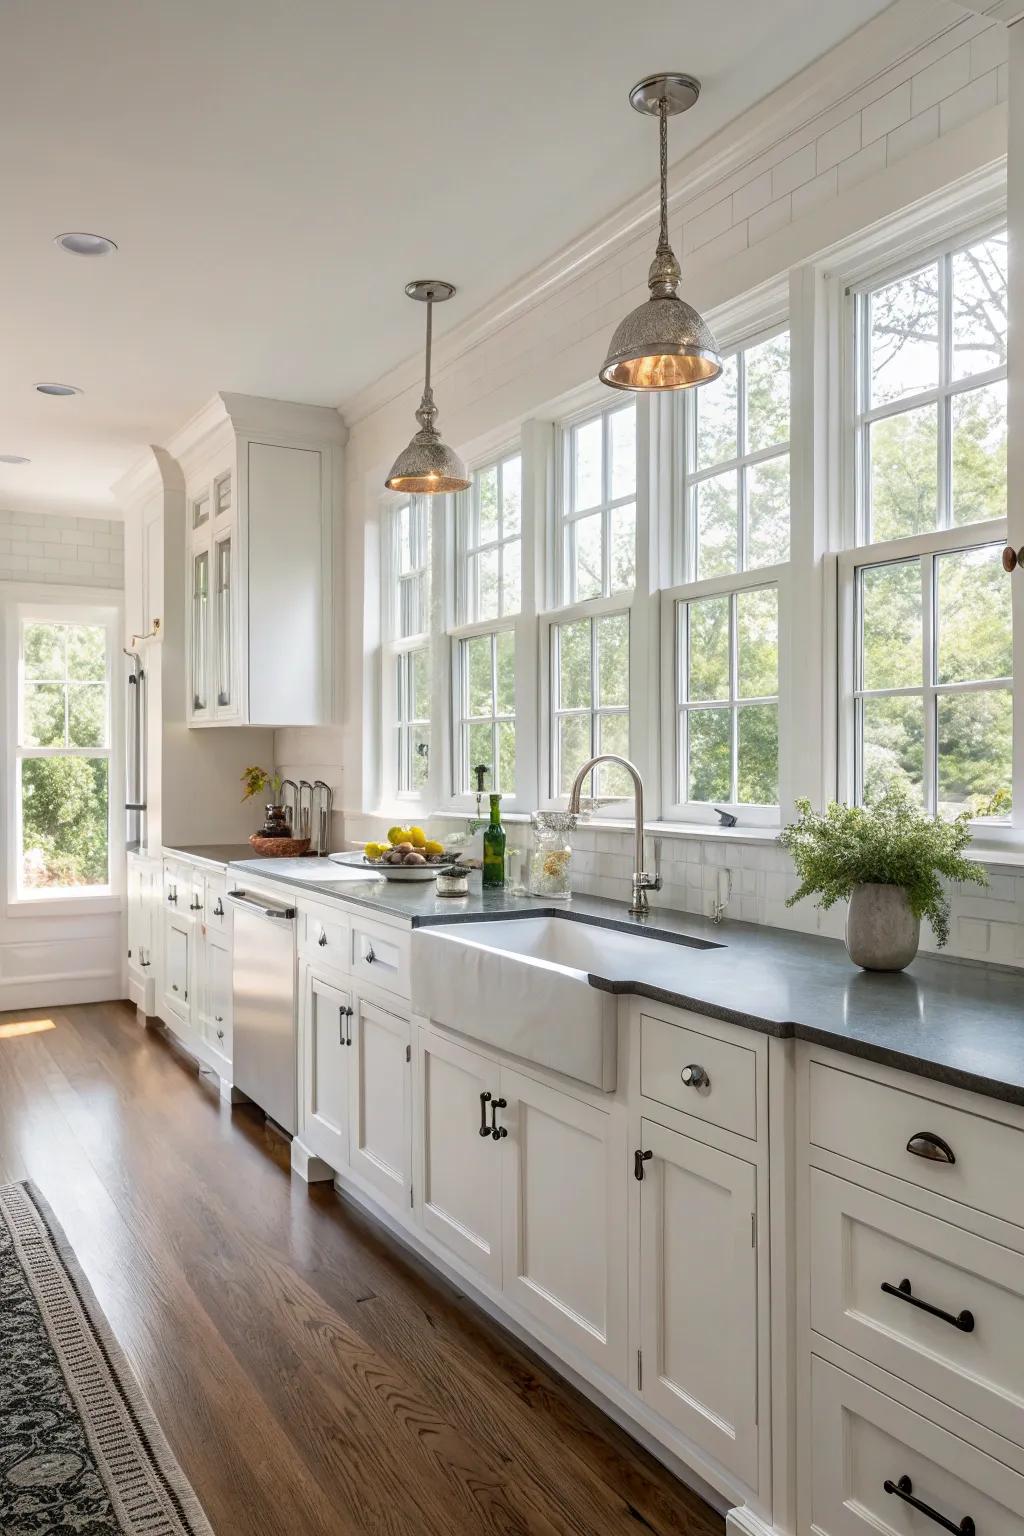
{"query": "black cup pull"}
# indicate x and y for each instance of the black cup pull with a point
(497, 1131)
(639, 1158)
(485, 1099)
(931, 1147)
(904, 1490)
(962, 1320)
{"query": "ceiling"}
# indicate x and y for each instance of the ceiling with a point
(274, 171)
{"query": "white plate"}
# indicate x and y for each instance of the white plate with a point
(399, 872)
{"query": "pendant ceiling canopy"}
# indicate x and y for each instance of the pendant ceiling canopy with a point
(664, 343)
(428, 467)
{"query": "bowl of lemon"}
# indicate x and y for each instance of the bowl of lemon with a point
(408, 854)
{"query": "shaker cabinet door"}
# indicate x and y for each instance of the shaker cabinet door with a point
(326, 1031)
(380, 1143)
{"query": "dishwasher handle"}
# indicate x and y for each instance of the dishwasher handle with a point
(243, 900)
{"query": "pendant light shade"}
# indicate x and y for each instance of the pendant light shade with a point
(664, 343)
(428, 467)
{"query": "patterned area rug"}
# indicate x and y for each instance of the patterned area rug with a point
(80, 1451)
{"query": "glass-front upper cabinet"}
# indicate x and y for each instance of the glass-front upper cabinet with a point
(224, 656)
(213, 689)
(200, 640)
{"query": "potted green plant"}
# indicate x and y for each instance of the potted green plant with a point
(888, 860)
(257, 781)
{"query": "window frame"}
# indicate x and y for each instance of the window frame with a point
(396, 653)
(565, 514)
(27, 605)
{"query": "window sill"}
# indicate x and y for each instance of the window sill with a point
(65, 906)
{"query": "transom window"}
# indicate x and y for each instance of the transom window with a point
(62, 758)
(598, 522)
(728, 708)
(736, 481)
(931, 394)
(933, 691)
(491, 563)
(590, 688)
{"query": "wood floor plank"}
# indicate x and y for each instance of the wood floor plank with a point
(312, 1374)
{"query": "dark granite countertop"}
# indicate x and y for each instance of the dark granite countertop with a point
(956, 1023)
(215, 854)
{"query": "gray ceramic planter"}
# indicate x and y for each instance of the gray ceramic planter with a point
(882, 934)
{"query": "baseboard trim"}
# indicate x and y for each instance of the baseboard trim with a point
(60, 992)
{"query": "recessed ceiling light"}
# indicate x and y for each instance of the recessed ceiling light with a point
(78, 243)
(13, 458)
(58, 389)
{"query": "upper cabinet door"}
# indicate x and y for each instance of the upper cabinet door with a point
(199, 636)
(225, 690)
(459, 1185)
(698, 1295)
(380, 1136)
(564, 1207)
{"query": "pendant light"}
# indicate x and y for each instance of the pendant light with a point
(664, 344)
(428, 466)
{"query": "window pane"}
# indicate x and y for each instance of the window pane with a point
(477, 661)
(768, 512)
(87, 653)
(904, 474)
(979, 307)
(43, 715)
(588, 578)
(613, 736)
(710, 768)
(768, 393)
(708, 649)
(506, 679)
(891, 638)
(974, 623)
(904, 320)
(717, 525)
(512, 576)
(893, 745)
(87, 715)
(718, 418)
(411, 606)
(487, 505)
(44, 651)
(419, 756)
(480, 740)
(484, 580)
(511, 495)
(403, 537)
(506, 757)
(758, 748)
(623, 551)
(574, 665)
(975, 741)
(613, 660)
(419, 701)
(622, 430)
(979, 454)
(573, 748)
(587, 472)
(757, 639)
(64, 820)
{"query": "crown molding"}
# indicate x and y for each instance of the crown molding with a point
(155, 471)
(820, 96)
(1007, 11)
(227, 416)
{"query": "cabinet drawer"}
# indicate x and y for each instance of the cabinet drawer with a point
(873, 1124)
(862, 1441)
(324, 936)
(861, 1241)
(381, 955)
(728, 1096)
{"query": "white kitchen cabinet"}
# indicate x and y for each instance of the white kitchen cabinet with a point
(326, 1034)
(177, 968)
(217, 998)
(698, 1294)
(380, 1101)
(458, 1184)
(564, 1156)
(262, 482)
(143, 902)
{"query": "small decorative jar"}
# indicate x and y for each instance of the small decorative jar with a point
(453, 881)
(551, 855)
(277, 823)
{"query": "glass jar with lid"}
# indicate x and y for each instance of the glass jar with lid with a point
(550, 868)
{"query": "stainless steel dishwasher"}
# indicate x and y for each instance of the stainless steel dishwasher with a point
(263, 996)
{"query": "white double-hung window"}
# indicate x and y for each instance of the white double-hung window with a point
(720, 623)
(488, 603)
(407, 661)
(926, 629)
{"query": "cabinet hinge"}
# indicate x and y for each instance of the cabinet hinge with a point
(639, 1370)
(753, 1229)
(408, 1053)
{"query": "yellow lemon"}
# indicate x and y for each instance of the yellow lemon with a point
(373, 850)
(417, 837)
(434, 849)
(396, 834)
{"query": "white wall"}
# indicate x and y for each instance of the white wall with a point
(883, 121)
(47, 958)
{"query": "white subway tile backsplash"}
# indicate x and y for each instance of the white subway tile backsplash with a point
(920, 130)
(940, 79)
(47, 548)
(887, 113)
(839, 143)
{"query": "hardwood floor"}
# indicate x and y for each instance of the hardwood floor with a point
(311, 1375)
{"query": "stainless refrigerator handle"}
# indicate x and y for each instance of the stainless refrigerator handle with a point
(258, 906)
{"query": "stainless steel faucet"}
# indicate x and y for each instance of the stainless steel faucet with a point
(642, 882)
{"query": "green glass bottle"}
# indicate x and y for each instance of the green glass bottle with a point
(494, 848)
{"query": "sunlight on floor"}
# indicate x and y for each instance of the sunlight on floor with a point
(25, 1027)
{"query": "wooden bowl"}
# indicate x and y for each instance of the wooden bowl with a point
(278, 847)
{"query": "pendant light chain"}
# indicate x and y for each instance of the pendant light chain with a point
(663, 134)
